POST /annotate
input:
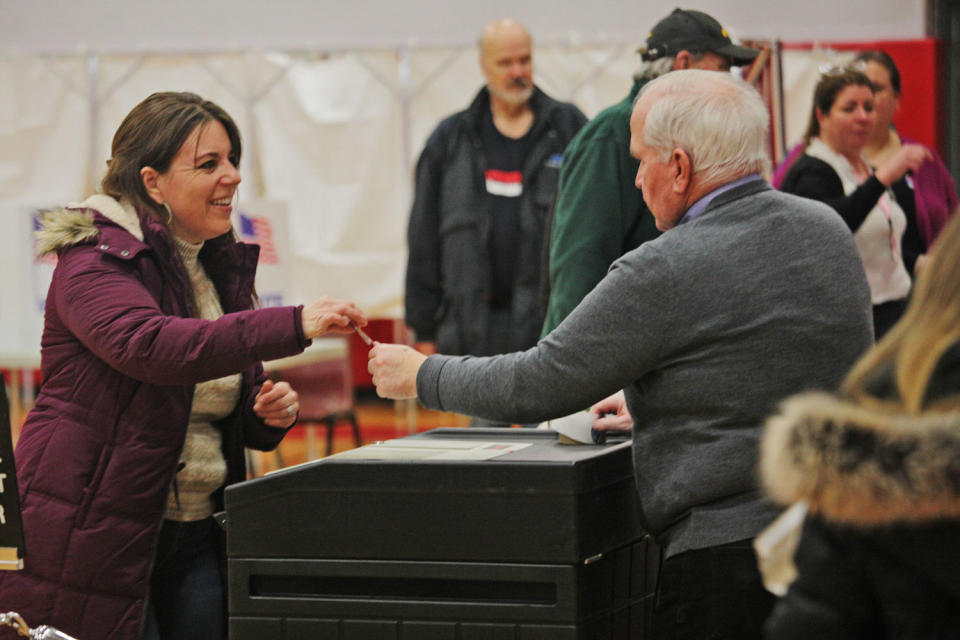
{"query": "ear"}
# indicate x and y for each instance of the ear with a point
(819, 114)
(150, 179)
(681, 168)
(482, 63)
(682, 60)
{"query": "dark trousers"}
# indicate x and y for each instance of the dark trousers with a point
(499, 340)
(711, 594)
(186, 592)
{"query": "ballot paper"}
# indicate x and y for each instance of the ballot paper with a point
(776, 546)
(574, 428)
(422, 449)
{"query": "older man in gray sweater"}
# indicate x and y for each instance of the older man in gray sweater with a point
(750, 296)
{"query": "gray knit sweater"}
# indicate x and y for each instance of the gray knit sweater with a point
(706, 329)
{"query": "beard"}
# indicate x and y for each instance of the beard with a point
(517, 92)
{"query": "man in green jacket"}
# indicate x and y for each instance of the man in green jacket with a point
(600, 214)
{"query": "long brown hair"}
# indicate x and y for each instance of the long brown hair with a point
(930, 326)
(825, 94)
(151, 135)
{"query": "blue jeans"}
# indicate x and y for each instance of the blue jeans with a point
(186, 592)
(711, 594)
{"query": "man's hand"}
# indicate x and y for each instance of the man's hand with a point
(394, 368)
(612, 414)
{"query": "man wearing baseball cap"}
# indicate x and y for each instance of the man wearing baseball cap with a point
(600, 214)
(697, 33)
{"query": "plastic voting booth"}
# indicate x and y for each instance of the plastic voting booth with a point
(450, 533)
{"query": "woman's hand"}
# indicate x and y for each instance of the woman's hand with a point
(394, 368)
(909, 157)
(277, 404)
(612, 414)
(328, 315)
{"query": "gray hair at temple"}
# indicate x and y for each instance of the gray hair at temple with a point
(651, 69)
(716, 118)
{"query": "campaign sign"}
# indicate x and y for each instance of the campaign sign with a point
(11, 527)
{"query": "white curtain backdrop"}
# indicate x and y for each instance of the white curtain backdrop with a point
(330, 142)
(331, 139)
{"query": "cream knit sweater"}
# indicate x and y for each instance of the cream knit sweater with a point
(202, 466)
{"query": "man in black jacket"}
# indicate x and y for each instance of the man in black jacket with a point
(485, 183)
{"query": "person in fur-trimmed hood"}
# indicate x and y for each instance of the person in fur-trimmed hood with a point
(152, 387)
(879, 468)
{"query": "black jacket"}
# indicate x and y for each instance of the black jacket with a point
(879, 556)
(448, 277)
(813, 178)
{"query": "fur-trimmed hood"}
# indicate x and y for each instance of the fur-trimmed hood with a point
(860, 465)
(74, 224)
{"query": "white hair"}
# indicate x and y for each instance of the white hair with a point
(716, 118)
(651, 69)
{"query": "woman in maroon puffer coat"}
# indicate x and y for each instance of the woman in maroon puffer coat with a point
(153, 386)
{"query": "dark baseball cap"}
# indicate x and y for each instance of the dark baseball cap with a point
(696, 32)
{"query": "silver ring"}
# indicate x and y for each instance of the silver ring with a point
(290, 410)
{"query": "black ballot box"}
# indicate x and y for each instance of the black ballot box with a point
(455, 534)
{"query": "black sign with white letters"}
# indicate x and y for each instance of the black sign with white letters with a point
(11, 527)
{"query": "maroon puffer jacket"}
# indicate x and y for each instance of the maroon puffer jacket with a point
(97, 454)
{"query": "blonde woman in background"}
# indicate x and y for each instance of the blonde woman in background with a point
(879, 466)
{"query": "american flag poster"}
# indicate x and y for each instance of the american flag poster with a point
(258, 230)
(265, 224)
(42, 271)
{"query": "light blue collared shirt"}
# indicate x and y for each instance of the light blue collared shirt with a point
(700, 205)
